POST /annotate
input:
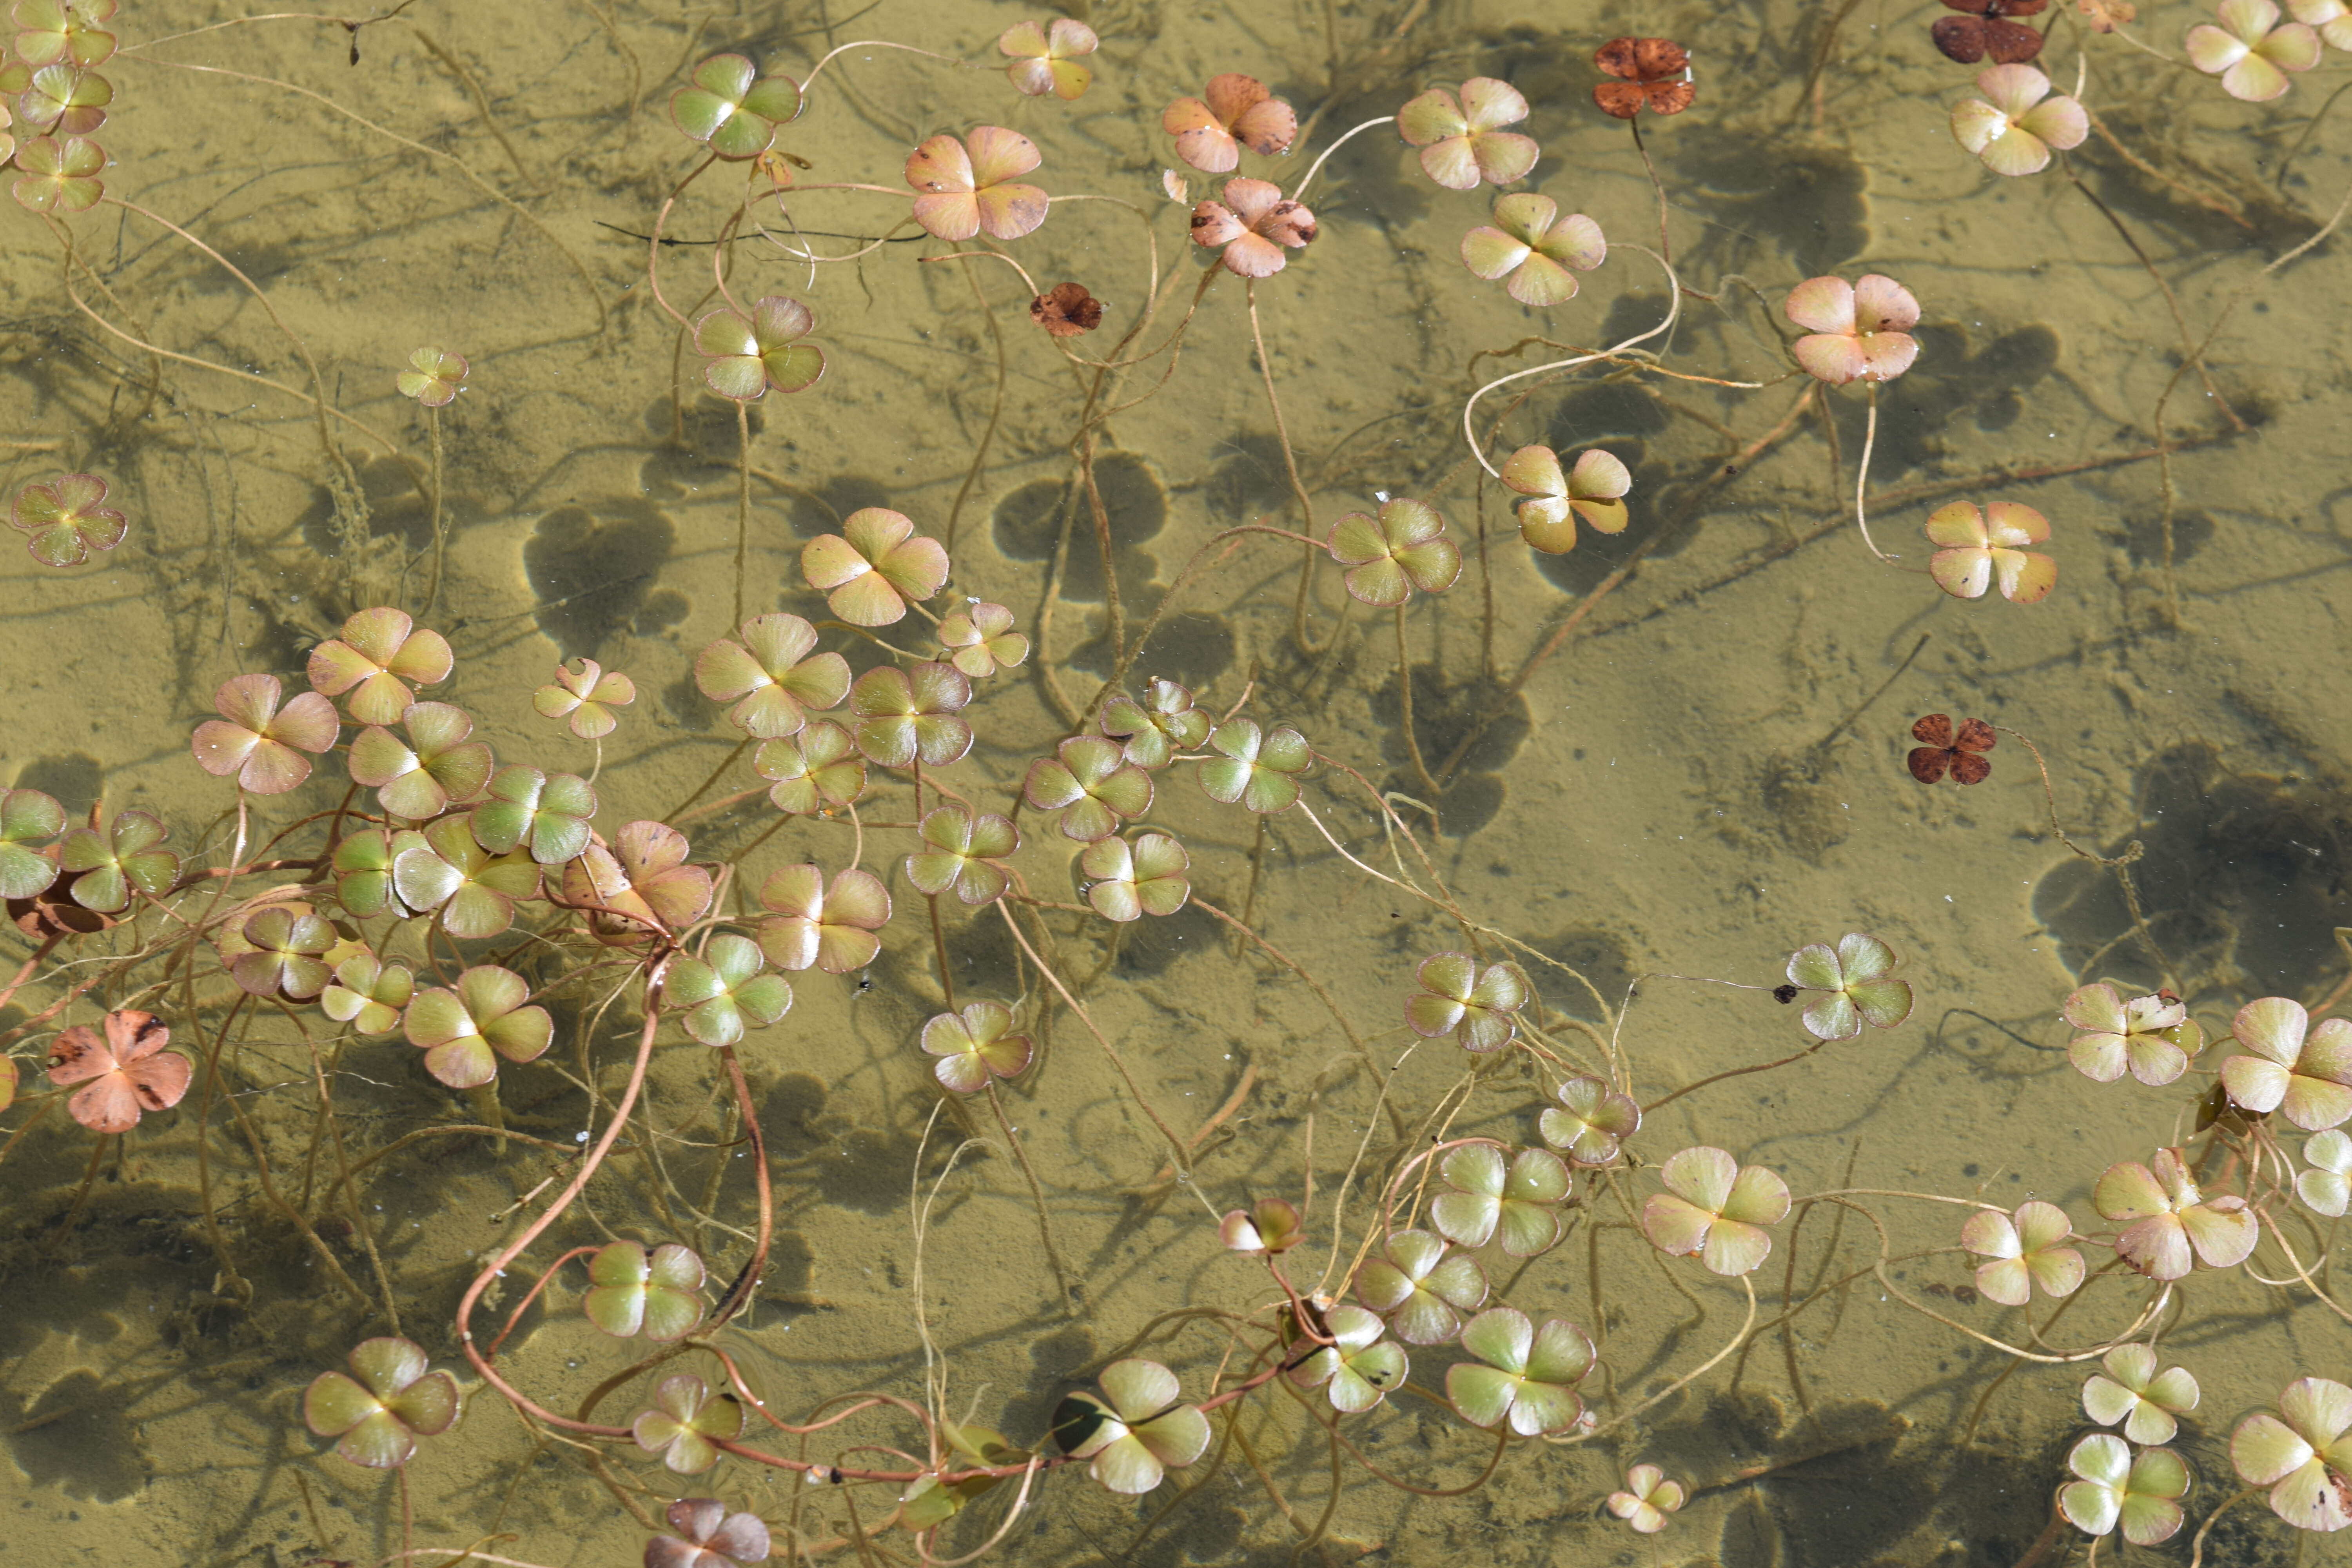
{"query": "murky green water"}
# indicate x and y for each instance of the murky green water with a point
(1707, 774)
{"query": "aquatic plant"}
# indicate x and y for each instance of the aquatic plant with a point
(2295, 1454)
(829, 926)
(1474, 1002)
(389, 1399)
(1646, 1500)
(1234, 112)
(772, 676)
(1524, 1377)
(465, 1029)
(708, 1537)
(2024, 1250)
(1091, 784)
(874, 567)
(724, 992)
(2327, 1188)
(1536, 252)
(2016, 131)
(1127, 881)
(1593, 488)
(1851, 985)
(1958, 750)
(1591, 1122)
(733, 108)
(1984, 28)
(632, 1292)
(585, 698)
(2171, 1226)
(110, 864)
(1516, 1206)
(1388, 556)
(439, 764)
(1422, 1287)
(1649, 73)
(1267, 1228)
(63, 522)
(1980, 547)
(59, 174)
(971, 1047)
(1359, 1367)
(378, 664)
(1462, 139)
(1066, 311)
(2147, 1402)
(686, 1424)
(124, 1071)
(2251, 50)
(2153, 1036)
(434, 377)
(1252, 226)
(2140, 1491)
(1853, 332)
(972, 186)
(2303, 1073)
(1258, 769)
(1715, 1208)
(1135, 1431)
(1050, 58)
(746, 357)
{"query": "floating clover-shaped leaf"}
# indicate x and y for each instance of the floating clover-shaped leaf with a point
(435, 767)
(831, 928)
(2023, 1250)
(971, 187)
(1266, 1227)
(2141, 1491)
(744, 357)
(52, 30)
(2332, 19)
(773, 673)
(435, 378)
(963, 854)
(1536, 251)
(1259, 769)
(1517, 1204)
(1652, 74)
(586, 697)
(463, 1031)
(975, 1045)
(125, 1073)
(260, 741)
(1238, 112)
(685, 1420)
(388, 1401)
(474, 889)
(1405, 548)
(1356, 1370)
(1946, 747)
(107, 865)
(1853, 985)
(2327, 1188)
(1065, 310)
(1856, 331)
(364, 872)
(724, 992)
(631, 1291)
(1983, 546)
(2303, 1072)
(59, 174)
(734, 108)
(1647, 1498)
(2015, 132)
(2153, 1036)
(380, 658)
(2147, 1402)
(1593, 488)
(63, 522)
(2250, 52)
(284, 950)
(909, 716)
(1530, 1376)
(1715, 1208)
(818, 770)
(639, 885)
(27, 818)
(1475, 1003)
(2299, 1453)
(1092, 784)
(1984, 27)
(1421, 1287)
(71, 101)
(1049, 60)
(982, 641)
(708, 1537)
(1135, 1431)
(1461, 140)
(1252, 226)
(546, 813)
(1154, 730)
(1150, 876)
(870, 569)
(368, 994)
(1591, 1121)
(2170, 1220)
